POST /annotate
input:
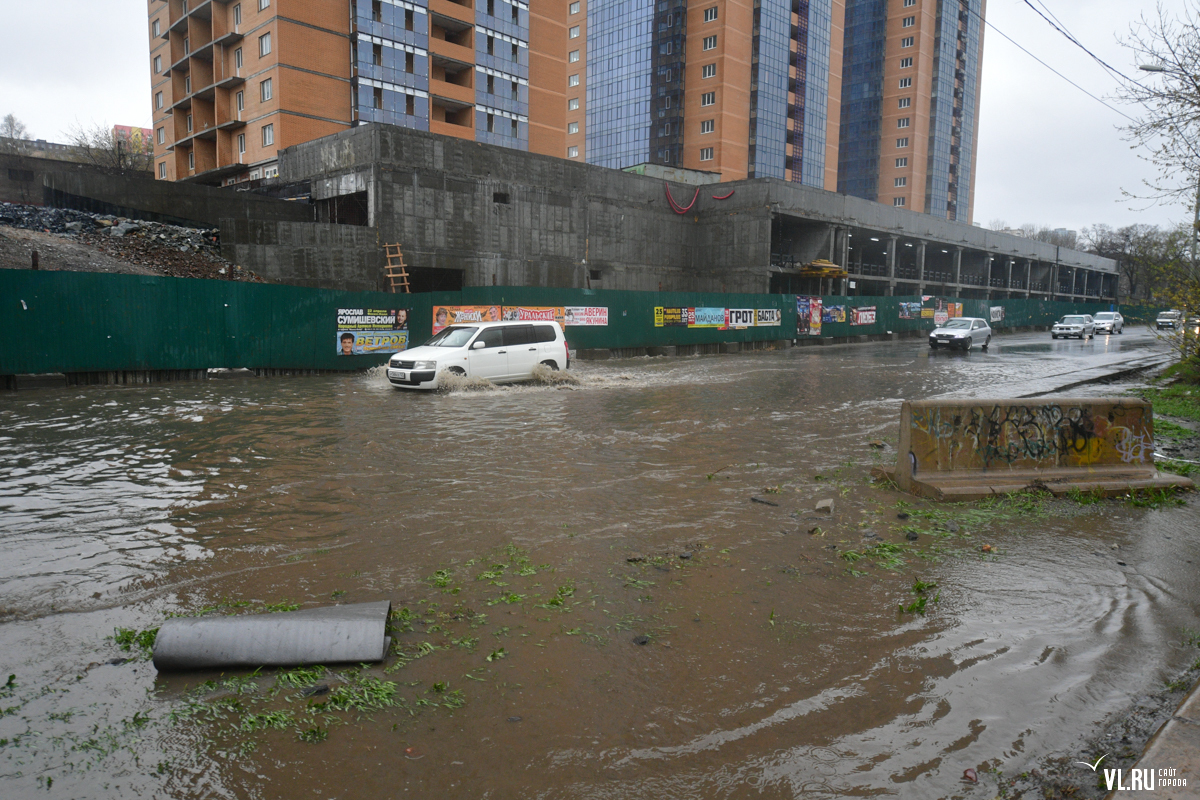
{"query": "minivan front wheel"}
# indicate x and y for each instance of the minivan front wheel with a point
(548, 363)
(458, 371)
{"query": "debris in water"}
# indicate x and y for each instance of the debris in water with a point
(825, 505)
(970, 775)
(641, 640)
(912, 536)
(877, 444)
(764, 502)
(987, 548)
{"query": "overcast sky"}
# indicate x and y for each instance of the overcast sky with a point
(1048, 153)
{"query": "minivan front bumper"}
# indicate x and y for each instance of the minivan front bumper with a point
(413, 379)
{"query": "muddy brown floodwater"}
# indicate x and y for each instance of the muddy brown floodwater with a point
(610, 588)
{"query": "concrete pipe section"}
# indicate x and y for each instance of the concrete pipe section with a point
(335, 634)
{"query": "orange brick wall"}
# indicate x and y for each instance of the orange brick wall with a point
(318, 51)
(730, 139)
(314, 95)
(924, 34)
(548, 79)
(834, 110)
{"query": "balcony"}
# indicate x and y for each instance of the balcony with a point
(461, 12)
(462, 95)
(454, 52)
(451, 129)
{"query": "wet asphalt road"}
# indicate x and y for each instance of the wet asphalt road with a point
(587, 579)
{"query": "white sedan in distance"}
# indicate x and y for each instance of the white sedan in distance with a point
(963, 333)
(1081, 325)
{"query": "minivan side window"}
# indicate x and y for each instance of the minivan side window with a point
(518, 334)
(544, 333)
(491, 337)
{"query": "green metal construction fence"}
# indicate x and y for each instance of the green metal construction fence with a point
(80, 322)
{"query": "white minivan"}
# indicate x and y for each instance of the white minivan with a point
(501, 352)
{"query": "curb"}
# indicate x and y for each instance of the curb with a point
(1173, 754)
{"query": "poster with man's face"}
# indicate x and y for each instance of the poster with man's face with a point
(368, 331)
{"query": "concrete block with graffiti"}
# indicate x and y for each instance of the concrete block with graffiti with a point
(967, 449)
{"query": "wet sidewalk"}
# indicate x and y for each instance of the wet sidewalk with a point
(1171, 759)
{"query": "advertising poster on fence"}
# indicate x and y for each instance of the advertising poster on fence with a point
(534, 314)
(768, 317)
(452, 315)
(802, 316)
(996, 314)
(586, 315)
(708, 318)
(364, 331)
(863, 315)
(739, 318)
(910, 311)
(956, 309)
(936, 308)
(814, 316)
(833, 314)
(672, 317)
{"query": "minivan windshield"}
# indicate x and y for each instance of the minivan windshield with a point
(451, 337)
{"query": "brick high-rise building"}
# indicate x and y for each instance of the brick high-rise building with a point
(745, 88)
(910, 103)
(235, 81)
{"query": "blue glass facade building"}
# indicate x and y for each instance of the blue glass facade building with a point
(862, 98)
(620, 84)
(953, 111)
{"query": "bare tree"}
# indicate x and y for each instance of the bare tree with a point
(1146, 255)
(101, 146)
(13, 135)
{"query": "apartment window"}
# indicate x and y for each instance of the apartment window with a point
(901, 182)
(187, 85)
(240, 97)
(666, 102)
(708, 99)
(491, 85)
(573, 151)
(264, 45)
(241, 143)
(897, 201)
(572, 127)
(516, 91)
(158, 99)
(189, 123)
(491, 12)
(573, 57)
(909, 3)
(410, 105)
(378, 97)
(905, 62)
(907, 41)
(192, 160)
(187, 45)
(573, 8)
(410, 61)
(268, 135)
(185, 6)
(905, 102)
(515, 52)
(707, 125)
(902, 142)
(263, 4)
(573, 80)
(264, 90)
(573, 33)
(902, 162)
(157, 64)
(710, 42)
(491, 123)
(573, 104)
(377, 10)
(909, 22)
(710, 14)
(377, 55)
(491, 45)
(512, 128)
(162, 170)
(158, 32)
(665, 49)
(237, 58)
(905, 83)
(706, 154)
(708, 71)
(161, 134)
(902, 122)
(237, 15)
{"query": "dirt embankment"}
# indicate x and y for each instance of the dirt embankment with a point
(75, 241)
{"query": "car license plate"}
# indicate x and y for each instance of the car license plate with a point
(398, 374)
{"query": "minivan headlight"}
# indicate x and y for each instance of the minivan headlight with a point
(424, 365)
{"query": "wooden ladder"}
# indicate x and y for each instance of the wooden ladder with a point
(397, 272)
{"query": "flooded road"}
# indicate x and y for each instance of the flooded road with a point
(613, 587)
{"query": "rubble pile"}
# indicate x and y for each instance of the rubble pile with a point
(170, 250)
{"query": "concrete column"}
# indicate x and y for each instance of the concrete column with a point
(833, 238)
(1008, 265)
(921, 267)
(958, 269)
(1028, 277)
(844, 244)
(891, 265)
